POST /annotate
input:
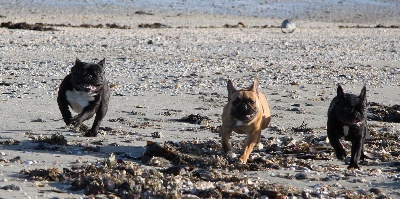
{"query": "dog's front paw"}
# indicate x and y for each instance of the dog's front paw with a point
(243, 159)
(364, 157)
(353, 166)
(341, 155)
(75, 121)
(90, 133)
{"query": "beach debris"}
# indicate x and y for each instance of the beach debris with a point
(376, 26)
(11, 187)
(154, 149)
(189, 168)
(52, 174)
(13, 160)
(302, 128)
(141, 12)
(26, 26)
(39, 120)
(195, 119)
(382, 113)
(49, 26)
(55, 139)
(9, 142)
(157, 135)
(153, 25)
(288, 26)
(239, 25)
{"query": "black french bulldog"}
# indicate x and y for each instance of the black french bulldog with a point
(347, 119)
(86, 91)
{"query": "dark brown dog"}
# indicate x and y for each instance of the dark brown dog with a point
(86, 91)
(247, 112)
(347, 119)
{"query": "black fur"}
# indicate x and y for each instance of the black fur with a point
(347, 119)
(89, 80)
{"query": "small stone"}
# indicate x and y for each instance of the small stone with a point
(288, 26)
(376, 190)
(260, 146)
(232, 155)
(301, 176)
(157, 135)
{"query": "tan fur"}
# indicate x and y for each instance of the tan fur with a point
(251, 128)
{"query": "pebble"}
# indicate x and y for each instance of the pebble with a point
(29, 162)
(301, 176)
(288, 26)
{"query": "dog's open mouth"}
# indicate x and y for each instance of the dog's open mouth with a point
(91, 87)
(248, 118)
(357, 123)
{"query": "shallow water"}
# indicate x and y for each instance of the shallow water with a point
(297, 9)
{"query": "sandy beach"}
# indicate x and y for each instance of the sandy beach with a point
(167, 64)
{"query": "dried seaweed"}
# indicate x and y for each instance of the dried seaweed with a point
(153, 25)
(26, 26)
(51, 174)
(384, 113)
(200, 169)
(55, 139)
(195, 119)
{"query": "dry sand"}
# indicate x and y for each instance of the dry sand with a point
(183, 71)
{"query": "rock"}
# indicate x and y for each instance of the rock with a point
(288, 26)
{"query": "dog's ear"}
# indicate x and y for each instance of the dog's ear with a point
(231, 89)
(101, 63)
(363, 95)
(77, 61)
(254, 87)
(340, 92)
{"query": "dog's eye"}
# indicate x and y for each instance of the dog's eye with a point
(252, 102)
(349, 109)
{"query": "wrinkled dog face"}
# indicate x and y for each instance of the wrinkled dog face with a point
(351, 109)
(87, 77)
(243, 102)
(244, 106)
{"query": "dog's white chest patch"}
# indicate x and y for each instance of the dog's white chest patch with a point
(79, 99)
(345, 131)
(239, 123)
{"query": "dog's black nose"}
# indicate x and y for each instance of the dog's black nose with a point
(244, 106)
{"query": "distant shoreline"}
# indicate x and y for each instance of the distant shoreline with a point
(350, 11)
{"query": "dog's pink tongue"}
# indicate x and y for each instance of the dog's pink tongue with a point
(357, 122)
